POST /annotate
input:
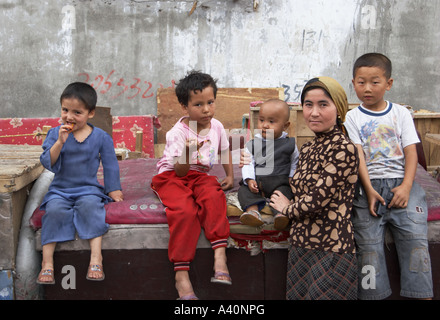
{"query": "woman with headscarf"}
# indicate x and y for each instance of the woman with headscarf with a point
(322, 261)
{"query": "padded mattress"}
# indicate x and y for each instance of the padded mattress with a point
(141, 207)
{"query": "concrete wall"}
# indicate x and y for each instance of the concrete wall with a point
(129, 49)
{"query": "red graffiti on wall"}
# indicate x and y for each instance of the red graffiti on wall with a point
(131, 89)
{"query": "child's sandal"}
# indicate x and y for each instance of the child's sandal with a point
(48, 273)
(95, 268)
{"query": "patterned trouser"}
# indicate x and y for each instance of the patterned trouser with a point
(321, 275)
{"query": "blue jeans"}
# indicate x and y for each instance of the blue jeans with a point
(409, 228)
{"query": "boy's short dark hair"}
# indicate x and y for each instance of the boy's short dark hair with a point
(374, 60)
(194, 81)
(83, 92)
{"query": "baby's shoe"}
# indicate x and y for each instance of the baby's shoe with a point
(251, 218)
(280, 222)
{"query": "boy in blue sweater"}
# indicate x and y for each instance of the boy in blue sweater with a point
(75, 200)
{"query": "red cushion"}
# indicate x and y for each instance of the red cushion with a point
(432, 190)
(140, 205)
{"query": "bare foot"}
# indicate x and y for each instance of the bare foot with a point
(46, 275)
(183, 284)
(220, 263)
(95, 270)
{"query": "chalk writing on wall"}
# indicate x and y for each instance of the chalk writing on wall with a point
(369, 17)
(69, 20)
(311, 38)
(293, 94)
(130, 89)
(136, 87)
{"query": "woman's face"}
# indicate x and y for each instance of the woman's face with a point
(319, 111)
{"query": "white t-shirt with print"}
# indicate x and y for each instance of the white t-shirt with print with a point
(383, 136)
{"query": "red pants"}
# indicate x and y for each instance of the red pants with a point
(192, 202)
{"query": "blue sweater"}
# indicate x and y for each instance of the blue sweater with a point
(77, 166)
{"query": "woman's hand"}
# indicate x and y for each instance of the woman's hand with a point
(279, 201)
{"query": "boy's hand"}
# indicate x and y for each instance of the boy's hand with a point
(227, 183)
(252, 185)
(193, 144)
(65, 129)
(373, 197)
(116, 195)
(401, 197)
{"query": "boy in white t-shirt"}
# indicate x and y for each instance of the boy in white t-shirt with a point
(387, 195)
(193, 198)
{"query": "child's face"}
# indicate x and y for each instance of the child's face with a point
(319, 111)
(371, 84)
(74, 113)
(201, 107)
(272, 120)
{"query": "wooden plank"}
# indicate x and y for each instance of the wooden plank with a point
(428, 122)
(10, 169)
(433, 138)
(422, 126)
(8, 165)
(293, 131)
(231, 104)
(11, 213)
(19, 166)
(103, 119)
(434, 151)
(429, 125)
(15, 169)
(426, 115)
(21, 155)
(21, 148)
(14, 184)
(253, 119)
